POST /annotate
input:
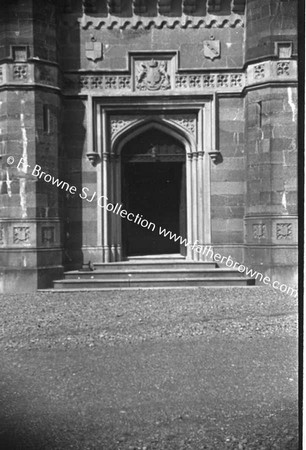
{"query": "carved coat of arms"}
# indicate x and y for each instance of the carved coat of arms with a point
(93, 50)
(212, 49)
(152, 76)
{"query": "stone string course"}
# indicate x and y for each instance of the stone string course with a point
(255, 74)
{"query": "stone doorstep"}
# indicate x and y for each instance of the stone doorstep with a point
(133, 265)
(158, 273)
(149, 282)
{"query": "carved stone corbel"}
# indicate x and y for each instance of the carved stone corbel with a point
(216, 156)
(93, 158)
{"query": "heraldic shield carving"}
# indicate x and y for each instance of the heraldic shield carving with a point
(152, 75)
(93, 50)
(212, 49)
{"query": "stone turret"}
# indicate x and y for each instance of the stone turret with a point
(29, 96)
(271, 138)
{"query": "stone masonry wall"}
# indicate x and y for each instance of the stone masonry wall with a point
(228, 181)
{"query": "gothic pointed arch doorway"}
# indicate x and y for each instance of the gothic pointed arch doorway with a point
(153, 173)
(154, 165)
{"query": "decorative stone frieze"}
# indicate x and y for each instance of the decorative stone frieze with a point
(21, 235)
(259, 231)
(118, 123)
(279, 230)
(284, 231)
(160, 22)
(210, 81)
(104, 82)
(187, 121)
(283, 68)
(222, 80)
(20, 72)
(29, 74)
(157, 74)
(272, 71)
(157, 79)
(111, 82)
(259, 71)
(236, 80)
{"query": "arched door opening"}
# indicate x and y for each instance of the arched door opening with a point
(153, 186)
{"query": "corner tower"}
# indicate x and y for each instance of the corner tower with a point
(30, 253)
(271, 138)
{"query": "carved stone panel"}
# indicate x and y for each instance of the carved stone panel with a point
(187, 121)
(93, 50)
(259, 231)
(259, 71)
(283, 68)
(153, 75)
(212, 49)
(284, 231)
(118, 123)
(20, 72)
(21, 235)
(47, 235)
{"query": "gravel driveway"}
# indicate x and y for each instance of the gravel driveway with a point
(205, 368)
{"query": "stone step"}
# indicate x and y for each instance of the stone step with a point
(154, 265)
(149, 282)
(141, 273)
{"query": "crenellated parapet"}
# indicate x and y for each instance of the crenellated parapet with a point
(159, 14)
(213, 6)
(139, 7)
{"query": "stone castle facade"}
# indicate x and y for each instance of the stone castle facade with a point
(110, 95)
